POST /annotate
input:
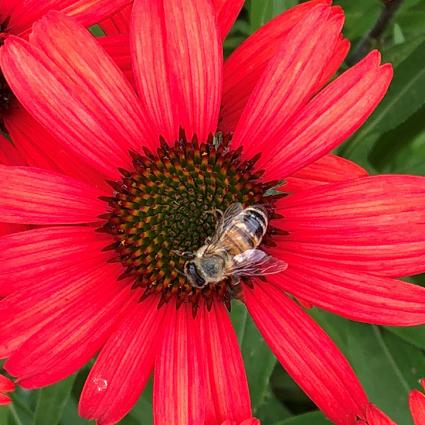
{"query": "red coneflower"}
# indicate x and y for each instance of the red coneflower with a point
(74, 291)
(6, 386)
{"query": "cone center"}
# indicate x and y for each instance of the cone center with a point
(165, 203)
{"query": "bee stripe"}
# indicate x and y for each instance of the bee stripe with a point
(259, 215)
(256, 223)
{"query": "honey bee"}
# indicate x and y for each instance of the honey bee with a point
(232, 251)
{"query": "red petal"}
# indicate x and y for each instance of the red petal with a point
(340, 52)
(289, 80)
(251, 421)
(374, 416)
(40, 148)
(307, 353)
(34, 196)
(227, 12)
(123, 367)
(246, 64)
(86, 12)
(9, 154)
(151, 60)
(360, 297)
(329, 119)
(71, 86)
(118, 23)
(328, 169)
(4, 400)
(417, 407)
(25, 312)
(178, 70)
(227, 384)
(373, 224)
(6, 385)
(8, 228)
(33, 256)
(118, 48)
(178, 391)
(65, 343)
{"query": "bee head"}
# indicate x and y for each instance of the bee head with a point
(193, 275)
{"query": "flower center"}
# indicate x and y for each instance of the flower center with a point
(165, 205)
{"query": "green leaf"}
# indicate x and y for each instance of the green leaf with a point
(4, 415)
(259, 360)
(261, 11)
(414, 335)
(310, 418)
(387, 366)
(360, 17)
(405, 96)
(411, 19)
(398, 35)
(401, 150)
(397, 54)
(21, 412)
(52, 401)
(96, 31)
(272, 409)
(409, 360)
(70, 414)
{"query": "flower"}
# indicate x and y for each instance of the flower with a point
(6, 386)
(100, 274)
(417, 405)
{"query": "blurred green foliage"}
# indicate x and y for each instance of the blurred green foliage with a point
(388, 361)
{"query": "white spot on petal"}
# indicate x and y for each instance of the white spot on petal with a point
(101, 384)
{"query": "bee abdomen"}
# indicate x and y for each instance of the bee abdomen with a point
(248, 231)
(256, 221)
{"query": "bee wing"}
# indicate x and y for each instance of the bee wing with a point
(255, 262)
(231, 212)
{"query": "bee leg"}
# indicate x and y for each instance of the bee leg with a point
(188, 255)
